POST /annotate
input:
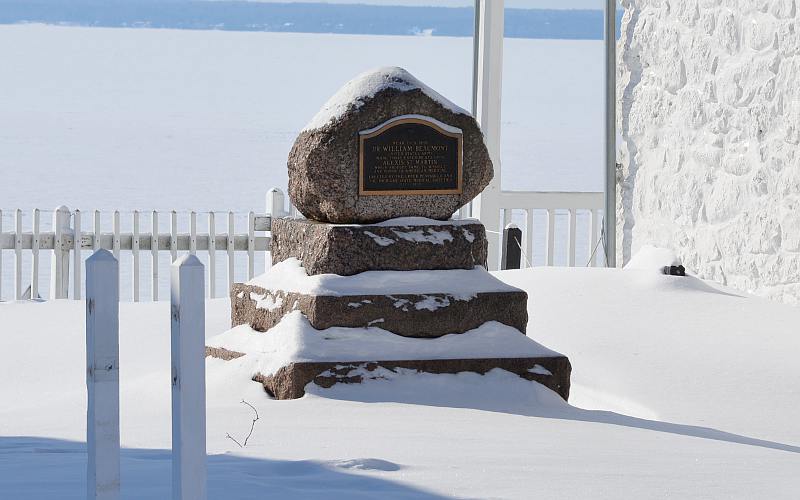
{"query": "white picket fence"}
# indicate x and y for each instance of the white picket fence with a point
(142, 241)
(560, 214)
(558, 229)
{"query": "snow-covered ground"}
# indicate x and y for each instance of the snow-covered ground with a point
(681, 389)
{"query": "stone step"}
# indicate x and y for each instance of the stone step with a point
(290, 381)
(409, 315)
(411, 303)
(293, 354)
(406, 244)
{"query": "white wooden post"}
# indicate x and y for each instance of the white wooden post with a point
(489, 62)
(35, 257)
(251, 244)
(193, 233)
(551, 235)
(1, 257)
(59, 268)
(230, 250)
(154, 256)
(571, 239)
(116, 243)
(188, 380)
(173, 235)
(275, 204)
(529, 237)
(96, 243)
(212, 259)
(77, 244)
(593, 237)
(135, 255)
(102, 376)
(18, 255)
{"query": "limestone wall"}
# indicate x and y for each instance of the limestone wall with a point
(710, 138)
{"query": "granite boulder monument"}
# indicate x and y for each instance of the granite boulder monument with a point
(378, 279)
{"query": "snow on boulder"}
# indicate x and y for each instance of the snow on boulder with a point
(324, 160)
(365, 86)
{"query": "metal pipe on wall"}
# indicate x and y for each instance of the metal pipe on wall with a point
(610, 211)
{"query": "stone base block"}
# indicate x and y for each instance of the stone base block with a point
(222, 353)
(402, 245)
(290, 381)
(409, 315)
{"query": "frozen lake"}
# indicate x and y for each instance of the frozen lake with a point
(205, 119)
(102, 118)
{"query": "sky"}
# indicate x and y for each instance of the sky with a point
(520, 4)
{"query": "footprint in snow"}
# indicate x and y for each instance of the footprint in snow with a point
(366, 464)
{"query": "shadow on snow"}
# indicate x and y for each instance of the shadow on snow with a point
(45, 468)
(503, 392)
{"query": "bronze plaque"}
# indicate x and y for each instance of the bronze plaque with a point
(410, 155)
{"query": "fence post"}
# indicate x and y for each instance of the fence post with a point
(276, 201)
(512, 249)
(188, 380)
(275, 204)
(251, 243)
(1, 257)
(102, 376)
(18, 254)
(77, 238)
(212, 259)
(59, 268)
(34, 289)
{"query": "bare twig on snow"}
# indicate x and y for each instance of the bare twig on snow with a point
(252, 426)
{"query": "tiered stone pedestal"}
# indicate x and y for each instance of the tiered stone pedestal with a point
(409, 315)
(405, 244)
(290, 382)
(426, 286)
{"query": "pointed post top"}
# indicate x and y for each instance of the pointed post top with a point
(99, 255)
(187, 260)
